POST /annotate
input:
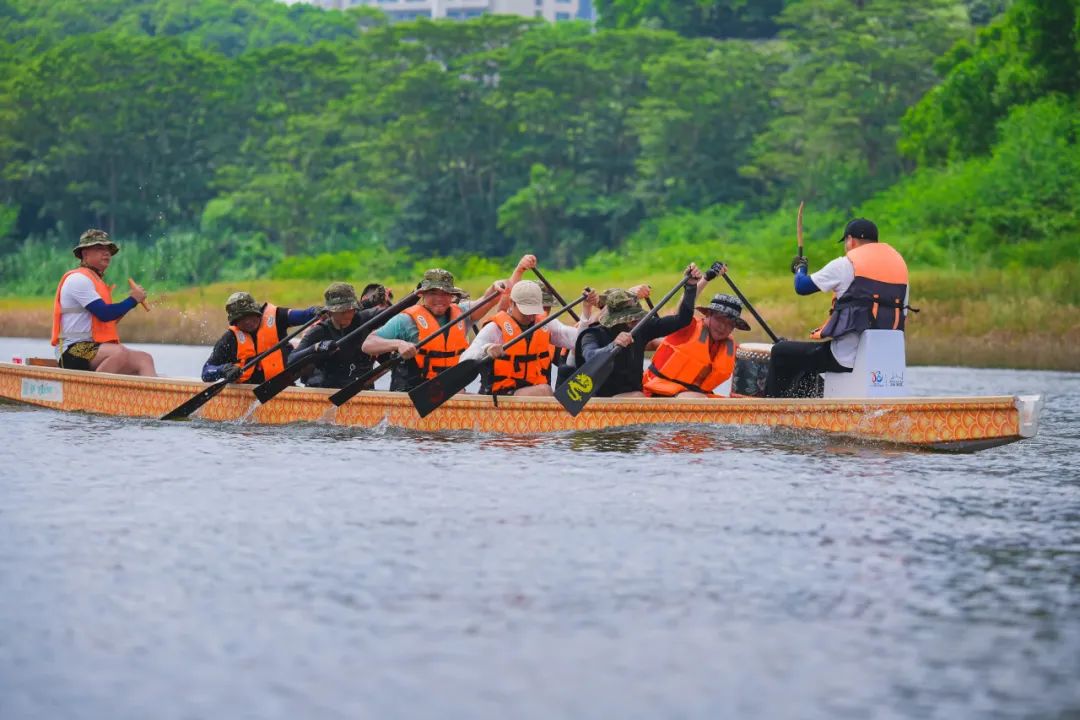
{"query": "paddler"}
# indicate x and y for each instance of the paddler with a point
(84, 327)
(253, 327)
(870, 291)
(694, 361)
(524, 368)
(338, 368)
(404, 331)
(622, 311)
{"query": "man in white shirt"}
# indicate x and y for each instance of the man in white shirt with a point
(870, 291)
(85, 317)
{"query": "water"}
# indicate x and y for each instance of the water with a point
(198, 570)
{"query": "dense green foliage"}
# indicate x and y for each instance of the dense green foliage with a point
(247, 137)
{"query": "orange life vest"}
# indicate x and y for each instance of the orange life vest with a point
(100, 331)
(248, 347)
(687, 365)
(526, 361)
(875, 299)
(442, 352)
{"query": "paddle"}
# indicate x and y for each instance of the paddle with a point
(749, 306)
(199, 399)
(428, 396)
(560, 353)
(555, 292)
(342, 396)
(269, 389)
(798, 230)
(131, 284)
(590, 377)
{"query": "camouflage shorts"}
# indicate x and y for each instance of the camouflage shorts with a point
(78, 355)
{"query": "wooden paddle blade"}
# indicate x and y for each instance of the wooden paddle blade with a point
(428, 396)
(195, 402)
(586, 381)
(269, 389)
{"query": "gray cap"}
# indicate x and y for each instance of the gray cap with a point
(240, 304)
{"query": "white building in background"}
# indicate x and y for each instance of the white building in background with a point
(551, 10)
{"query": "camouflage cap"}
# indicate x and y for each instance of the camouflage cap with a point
(340, 296)
(93, 237)
(549, 298)
(240, 304)
(620, 306)
(460, 294)
(437, 279)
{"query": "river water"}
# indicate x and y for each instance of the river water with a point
(196, 570)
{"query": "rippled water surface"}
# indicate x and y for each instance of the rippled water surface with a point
(195, 570)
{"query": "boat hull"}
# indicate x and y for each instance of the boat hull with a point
(956, 424)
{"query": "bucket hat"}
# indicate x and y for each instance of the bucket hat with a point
(728, 305)
(240, 304)
(620, 306)
(92, 237)
(340, 296)
(437, 279)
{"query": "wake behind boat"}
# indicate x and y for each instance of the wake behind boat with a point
(955, 424)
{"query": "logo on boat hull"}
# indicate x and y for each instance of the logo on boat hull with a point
(877, 378)
(578, 386)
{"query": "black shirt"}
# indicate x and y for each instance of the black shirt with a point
(630, 363)
(345, 364)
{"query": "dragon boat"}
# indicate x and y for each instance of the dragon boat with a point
(961, 424)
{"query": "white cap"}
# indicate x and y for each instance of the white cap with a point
(528, 297)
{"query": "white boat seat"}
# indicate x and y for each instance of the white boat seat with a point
(880, 364)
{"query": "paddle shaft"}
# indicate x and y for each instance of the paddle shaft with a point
(204, 396)
(358, 384)
(750, 307)
(798, 230)
(555, 292)
(270, 389)
(131, 284)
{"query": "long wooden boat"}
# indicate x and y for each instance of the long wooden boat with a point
(942, 423)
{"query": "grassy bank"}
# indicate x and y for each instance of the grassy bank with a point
(1000, 318)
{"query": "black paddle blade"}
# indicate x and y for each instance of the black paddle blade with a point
(342, 396)
(585, 382)
(428, 396)
(195, 402)
(269, 389)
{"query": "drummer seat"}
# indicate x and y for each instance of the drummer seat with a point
(880, 364)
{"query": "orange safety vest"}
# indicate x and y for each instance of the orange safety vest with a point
(247, 346)
(443, 352)
(688, 365)
(526, 361)
(875, 299)
(100, 331)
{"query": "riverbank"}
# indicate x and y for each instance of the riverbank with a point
(995, 318)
